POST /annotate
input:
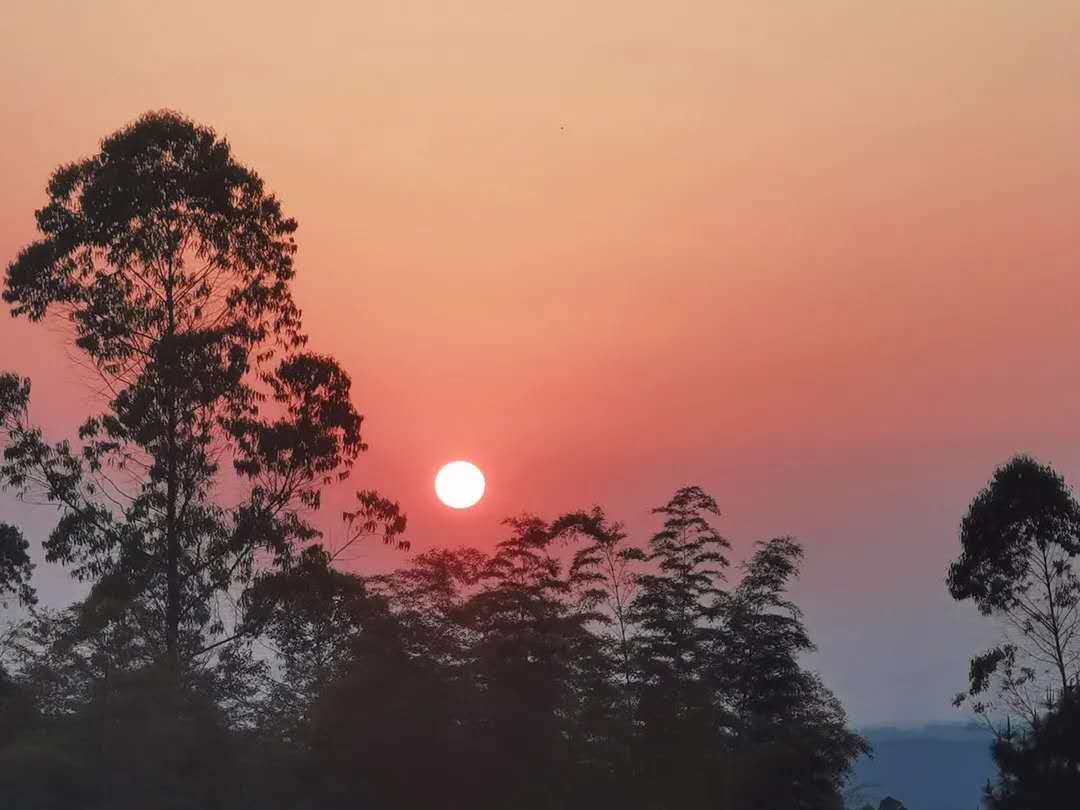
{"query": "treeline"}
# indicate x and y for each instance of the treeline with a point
(221, 658)
(566, 669)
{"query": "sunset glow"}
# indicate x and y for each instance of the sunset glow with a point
(760, 318)
(820, 258)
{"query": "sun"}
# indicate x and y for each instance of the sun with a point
(460, 484)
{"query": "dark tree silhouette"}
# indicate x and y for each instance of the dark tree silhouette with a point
(1040, 766)
(1018, 542)
(603, 578)
(15, 566)
(16, 710)
(464, 680)
(530, 641)
(782, 718)
(675, 611)
(171, 264)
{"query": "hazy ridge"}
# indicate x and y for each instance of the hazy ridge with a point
(935, 767)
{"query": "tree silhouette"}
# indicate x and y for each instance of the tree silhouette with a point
(15, 566)
(782, 717)
(1040, 766)
(464, 679)
(1018, 542)
(675, 606)
(675, 611)
(603, 577)
(171, 264)
(529, 642)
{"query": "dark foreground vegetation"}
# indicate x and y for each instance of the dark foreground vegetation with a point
(223, 657)
(462, 680)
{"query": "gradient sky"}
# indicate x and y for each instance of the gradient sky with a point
(819, 257)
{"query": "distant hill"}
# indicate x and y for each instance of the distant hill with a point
(939, 767)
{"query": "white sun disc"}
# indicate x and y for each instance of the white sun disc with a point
(460, 484)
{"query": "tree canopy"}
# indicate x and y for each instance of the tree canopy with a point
(172, 265)
(1018, 541)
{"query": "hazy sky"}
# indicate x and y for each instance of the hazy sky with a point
(819, 257)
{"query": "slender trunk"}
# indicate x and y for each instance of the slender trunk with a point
(172, 539)
(1055, 631)
(624, 642)
(624, 647)
(172, 563)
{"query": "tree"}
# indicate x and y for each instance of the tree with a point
(15, 565)
(15, 571)
(756, 661)
(103, 726)
(530, 646)
(408, 704)
(603, 576)
(1039, 766)
(675, 614)
(782, 718)
(171, 264)
(310, 614)
(675, 604)
(1018, 542)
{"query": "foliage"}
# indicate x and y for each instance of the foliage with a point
(463, 679)
(779, 714)
(1018, 542)
(171, 265)
(1039, 766)
(15, 566)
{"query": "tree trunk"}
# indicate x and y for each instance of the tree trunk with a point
(172, 540)
(1055, 630)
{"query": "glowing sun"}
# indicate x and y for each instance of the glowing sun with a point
(460, 484)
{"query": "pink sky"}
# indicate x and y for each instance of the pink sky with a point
(819, 257)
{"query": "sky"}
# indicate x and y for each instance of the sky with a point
(817, 257)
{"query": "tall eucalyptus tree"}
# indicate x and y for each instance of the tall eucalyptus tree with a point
(171, 265)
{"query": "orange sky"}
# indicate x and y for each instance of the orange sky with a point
(819, 257)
